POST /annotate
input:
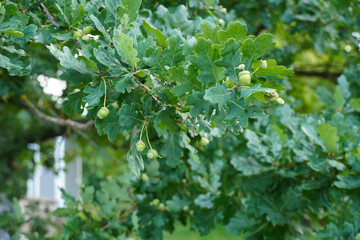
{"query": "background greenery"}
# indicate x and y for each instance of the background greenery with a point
(291, 175)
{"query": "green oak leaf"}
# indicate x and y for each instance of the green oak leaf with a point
(240, 223)
(109, 125)
(160, 38)
(272, 69)
(123, 84)
(166, 119)
(355, 104)
(168, 97)
(73, 103)
(129, 7)
(5, 62)
(94, 95)
(204, 201)
(253, 49)
(247, 92)
(204, 59)
(247, 165)
(128, 116)
(174, 52)
(348, 181)
(186, 81)
(172, 150)
(124, 47)
(210, 31)
(328, 135)
(105, 57)
(338, 97)
(235, 30)
(100, 27)
(68, 75)
(199, 104)
(175, 204)
(154, 59)
(218, 94)
(231, 59)
(135, 160)
(12, 49)
(143, 44)
(68, 60)
(343, 84)
(236, 111)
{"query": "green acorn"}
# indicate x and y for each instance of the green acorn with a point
(223, 10)
(140, 146)
(85, 38)
(145, 177)
(88, 29)
(103, 113)
(152, 154)
(77, 34)
(221, 22)
(204, 141)
(244, 77)
(115, 105)
(155, 202)
(241, 67)
(162, 207)
(279, 100)
(263, 64)
(274, 94)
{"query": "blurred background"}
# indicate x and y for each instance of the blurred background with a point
(318, 39)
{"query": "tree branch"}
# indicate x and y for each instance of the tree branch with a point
(330, 75)
(57, 121)
(236, 86)
(148, 90)
(48, 15)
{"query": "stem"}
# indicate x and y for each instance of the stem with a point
(147, 137)
(48, 15)
(142, 129)
(259, 229)
(59, 121)
(255, 70)
(105, 92)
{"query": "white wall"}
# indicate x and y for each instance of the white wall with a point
(45, 184)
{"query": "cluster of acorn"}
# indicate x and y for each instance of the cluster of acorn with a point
(156, 203)
(151, 154)
(245, 79)
(83, 34)
(220, 21)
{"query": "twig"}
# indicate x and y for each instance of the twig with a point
(155, 96)
(330, 75)
(236, 86)
(48, 15)
(58, 121)
(106, 226)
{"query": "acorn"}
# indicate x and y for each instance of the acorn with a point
(204, 141)
(244, 77)
(77, 34)
(263, 64)
(140, 146)
(152, 154)
(103, 113)
(88, 29)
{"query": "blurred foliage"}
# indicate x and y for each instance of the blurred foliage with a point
(288, 176)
